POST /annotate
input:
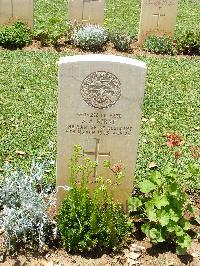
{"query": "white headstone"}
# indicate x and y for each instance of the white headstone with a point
(157, 17)
(12, 10)
(99, 108)
(86, 11)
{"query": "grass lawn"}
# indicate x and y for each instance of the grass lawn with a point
(28, 121)
(29, 107)
(28, 92)
(122, 16)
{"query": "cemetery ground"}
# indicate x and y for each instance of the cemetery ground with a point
(28, 100)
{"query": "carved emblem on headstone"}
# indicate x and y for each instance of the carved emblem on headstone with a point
(101, 89)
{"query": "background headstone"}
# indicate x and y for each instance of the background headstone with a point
(86, 11)
(12, 10)
(99, 107)
(157, 17)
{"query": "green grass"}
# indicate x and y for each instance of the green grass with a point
(28, 91)
(28, 99)
(120, 15)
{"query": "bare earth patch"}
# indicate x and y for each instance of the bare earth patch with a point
(140, 252)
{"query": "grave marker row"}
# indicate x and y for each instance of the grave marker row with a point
(157, 16)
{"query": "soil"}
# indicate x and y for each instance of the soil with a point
(62, 46)
(151, 255)
(160, 255)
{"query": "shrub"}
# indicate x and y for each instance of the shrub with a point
(161, 203)
(24, 203)
(87, 222)
(188, 42)
(51, 32)
(90, 37)
(15, 36)
(122, 42)
(159, 45)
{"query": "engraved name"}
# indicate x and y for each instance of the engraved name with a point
(99, 124)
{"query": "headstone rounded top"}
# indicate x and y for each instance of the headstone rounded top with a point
(102, 58)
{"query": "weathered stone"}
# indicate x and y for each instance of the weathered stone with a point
(157, 17)
(100, 101)
(86, 11)
(12, 10)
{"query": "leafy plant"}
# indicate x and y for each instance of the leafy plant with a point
(90, 221)
(15, 36)
(24, 203)
(162, 203)
(188, 42)
(90, 37)
(121, 42)
(50, 32)
(159, 44)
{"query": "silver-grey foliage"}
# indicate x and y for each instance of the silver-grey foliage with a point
(90, 37)
(24, 204)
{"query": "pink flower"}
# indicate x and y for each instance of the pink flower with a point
(173, 140)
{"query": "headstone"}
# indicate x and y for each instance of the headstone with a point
(86, 11)
(99, 108)
(12, 10)
(157, 17)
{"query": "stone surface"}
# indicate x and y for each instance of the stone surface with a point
(157, 17)
(99, 107)
(136, 248)
(11, 10)
(86, 11)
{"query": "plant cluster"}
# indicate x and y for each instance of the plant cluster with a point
(51, 32)
(91, 221)
(24, 203)
(161, 203)
(121, 42)
(90, 37)
(15, 36)
(159, 44)
(188, 41)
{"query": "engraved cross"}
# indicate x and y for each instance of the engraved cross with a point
(83, 19)
(96, 154)
(159, 15)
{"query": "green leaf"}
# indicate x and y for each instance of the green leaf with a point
(145, 229)
(191, 208)
(106, 164)
(134, 204)
(173, 189)
(174, 216)
(163, 217)
(179, 231)
(160, 201)
(146, 186)
(185, 224)
(156, 178)
(156, 235)
(150, 211)
(181, 251)
(171, 226)
(184, 241)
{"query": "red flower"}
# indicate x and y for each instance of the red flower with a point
(173, 140)
(117, 167)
